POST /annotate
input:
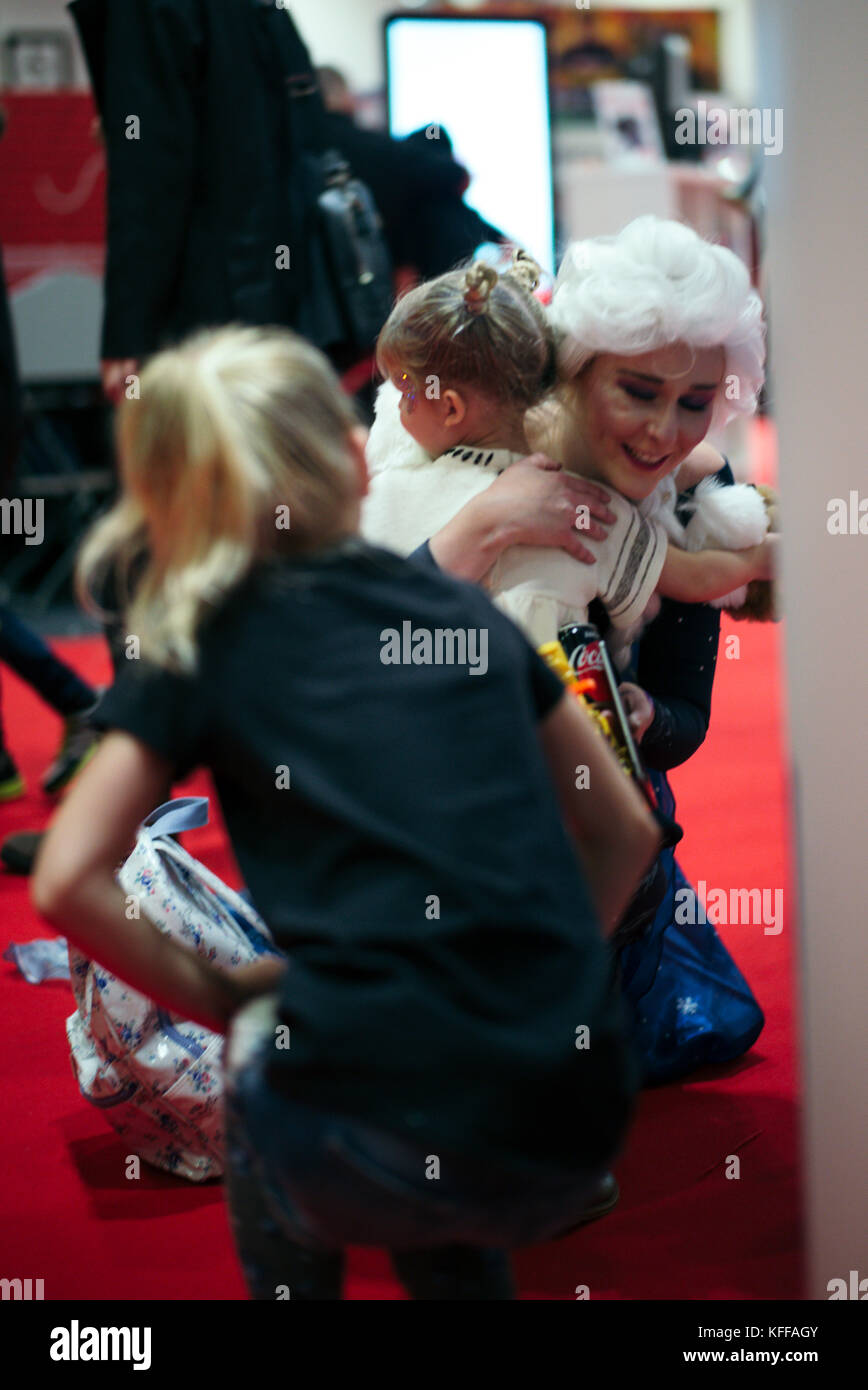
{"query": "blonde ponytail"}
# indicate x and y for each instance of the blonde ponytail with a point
(479, 282)
(230, 427)
(473, 327)
(525, 270)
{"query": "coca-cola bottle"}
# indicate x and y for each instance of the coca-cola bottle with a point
(596, 680)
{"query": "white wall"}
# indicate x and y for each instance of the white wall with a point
(42, 14)
(348, 33)
(811, 62)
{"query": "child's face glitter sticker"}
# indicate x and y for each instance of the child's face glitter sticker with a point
(408, 392)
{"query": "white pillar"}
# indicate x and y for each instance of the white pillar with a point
(812, 66)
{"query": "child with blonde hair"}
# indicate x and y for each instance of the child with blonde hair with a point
(413, 1079)
(473, 364)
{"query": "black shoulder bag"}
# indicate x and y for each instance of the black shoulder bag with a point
(346, 292)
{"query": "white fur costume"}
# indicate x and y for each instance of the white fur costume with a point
(541, 588)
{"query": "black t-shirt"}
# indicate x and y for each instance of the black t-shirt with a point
(399, 832)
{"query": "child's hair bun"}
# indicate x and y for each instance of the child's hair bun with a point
(479, 282)
(525, 270)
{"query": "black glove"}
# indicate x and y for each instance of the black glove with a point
(670, 828)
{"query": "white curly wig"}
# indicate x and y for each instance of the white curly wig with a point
(658, 282)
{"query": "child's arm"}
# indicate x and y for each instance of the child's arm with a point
(703, 462)
(703, 575)
(615, 835)
(74, 888)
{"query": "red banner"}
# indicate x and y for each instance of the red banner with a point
(52, 176)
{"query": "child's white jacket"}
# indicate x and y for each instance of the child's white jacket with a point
(542, 588)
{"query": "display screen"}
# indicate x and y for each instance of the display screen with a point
(485, 83)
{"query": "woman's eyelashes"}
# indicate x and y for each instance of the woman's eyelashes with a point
(642, 393)
(638, 393)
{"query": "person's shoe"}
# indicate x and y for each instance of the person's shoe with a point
(18, 852)
(603, 1200)
(11, 782)
(78, 746)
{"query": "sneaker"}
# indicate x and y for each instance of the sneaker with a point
(601, 1201)
(18, 852)
(77, 747)
(11, 782)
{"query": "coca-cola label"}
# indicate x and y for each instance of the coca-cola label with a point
(587, 658)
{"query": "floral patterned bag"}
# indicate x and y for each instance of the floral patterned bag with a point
(158, 1078)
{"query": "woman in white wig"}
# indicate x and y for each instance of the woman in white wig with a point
(662, 339)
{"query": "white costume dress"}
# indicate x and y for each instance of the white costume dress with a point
(413, 495)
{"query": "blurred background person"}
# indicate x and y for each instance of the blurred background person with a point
(417, 185)
(207, 113)
(20, 647)
(62, 689)
(10, 394)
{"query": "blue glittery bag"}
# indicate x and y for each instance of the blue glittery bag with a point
(688, 1003)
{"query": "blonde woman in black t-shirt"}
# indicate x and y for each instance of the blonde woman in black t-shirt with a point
(457, 1078)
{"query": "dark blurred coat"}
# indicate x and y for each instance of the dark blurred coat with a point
(418, 189)
(198, 204)
(10, 395)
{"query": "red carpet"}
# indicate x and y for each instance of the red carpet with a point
(682, 1229)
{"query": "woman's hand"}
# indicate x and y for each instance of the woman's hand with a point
(615, 836)
(533, 502)
(543, 505)
(639, 707)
